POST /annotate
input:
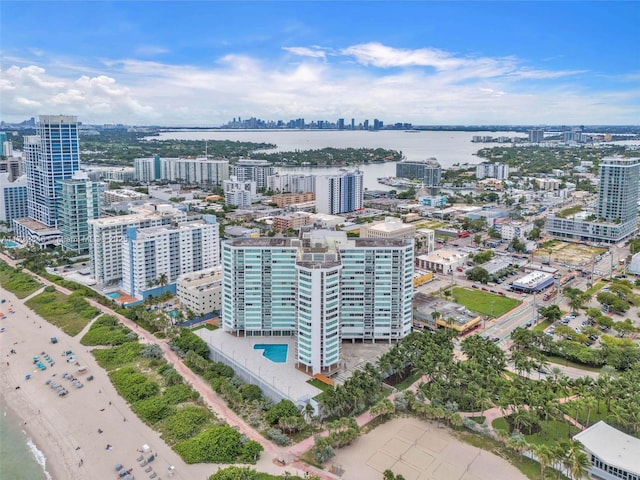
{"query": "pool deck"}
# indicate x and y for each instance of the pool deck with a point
(285, 377)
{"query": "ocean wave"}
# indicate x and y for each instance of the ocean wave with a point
(40, 458)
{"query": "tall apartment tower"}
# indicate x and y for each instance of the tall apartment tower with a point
(536, 135)
(255, 170)
(52, 155)
(167, 252)
(81, 202)
(618, 190)
(322, 288)
(341, 193)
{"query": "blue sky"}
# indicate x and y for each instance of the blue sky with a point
(202, 63)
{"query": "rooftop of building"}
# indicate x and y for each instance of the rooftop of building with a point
(532, 279)
(260, 242)
(431, 162)
(612, 446)
(389, 225)
(35, 225)
(173, 227)
(383, 242)
(443, 255)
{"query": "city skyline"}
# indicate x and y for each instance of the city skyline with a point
(202, 63)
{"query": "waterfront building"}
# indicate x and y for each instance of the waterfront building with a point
(13, 197)
(616, 216)
(192, 171)
(81, 202)
(166, 252)
(52, 155)
(255, 170)
(435, 201)
(107, 234)
(291, 183)
(111, 174)
(492, 170)
(428, 171)
(321, 288)
(201, 291)
(390, 227)
(536, 135)
(342, 193)
(613, 454)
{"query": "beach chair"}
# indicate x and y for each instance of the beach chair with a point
(143, 463)
(153, 475)
(148, 469)
(140, 458)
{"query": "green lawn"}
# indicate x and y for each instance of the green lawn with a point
(484, 302)
(71, 313)
(569, 363)
(594, 289)
(552, 431)
(594, 416)
(407, 382)
(20, 284)
(320, 385)
(206, 326)
(542, 326)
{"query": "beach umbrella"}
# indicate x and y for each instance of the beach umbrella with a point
(118, 466)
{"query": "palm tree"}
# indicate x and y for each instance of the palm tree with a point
(576, 462)
(544, 455)
(163, 280)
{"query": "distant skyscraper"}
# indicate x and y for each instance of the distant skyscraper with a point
(52, 155)
(81, 202)
(341, 193)
(536, 135)
(492, 170)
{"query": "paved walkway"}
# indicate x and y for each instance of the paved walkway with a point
(217, 404)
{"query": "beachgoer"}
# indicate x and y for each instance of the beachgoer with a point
(81, 462)
(102, 409)
(99, 430)
(109, 403)
(77, 448)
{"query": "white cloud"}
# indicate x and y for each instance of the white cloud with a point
(307, 52)
(423, 86)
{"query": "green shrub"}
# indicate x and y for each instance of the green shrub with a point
(250, 392)
(188, 341)
(219, 444)
(250, 452)
(185, 423)
(110, 358)
(71, 313)
(107, 330)
(153, 409)
(282, 409)
(179, 393)
(132, 385)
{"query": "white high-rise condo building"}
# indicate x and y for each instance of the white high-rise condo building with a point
(323, 287)
(342, 193)
(254, 170)
(617, 211)
(492, 170)
(107, 236)
(156, 257)
(192, 171)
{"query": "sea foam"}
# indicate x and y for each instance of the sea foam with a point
(40, 458)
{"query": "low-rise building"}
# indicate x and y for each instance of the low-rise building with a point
(511, 230)
(123, 195)
(533, 282)
(613, 454)
(425, 240)
(284, 199)
(390, 227)
(441, 261)
(291, 220)
(201, 292)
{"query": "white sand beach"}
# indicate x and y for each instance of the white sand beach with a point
(66, 428)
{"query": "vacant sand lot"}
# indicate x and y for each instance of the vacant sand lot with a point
(419, 450)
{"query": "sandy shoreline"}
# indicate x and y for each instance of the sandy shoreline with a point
(59, 425)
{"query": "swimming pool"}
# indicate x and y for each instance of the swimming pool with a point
(114, 295)
(276, 352)
(10, 244)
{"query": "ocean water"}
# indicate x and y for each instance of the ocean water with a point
(20, 458)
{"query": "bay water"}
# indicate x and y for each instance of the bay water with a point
(447, 147)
